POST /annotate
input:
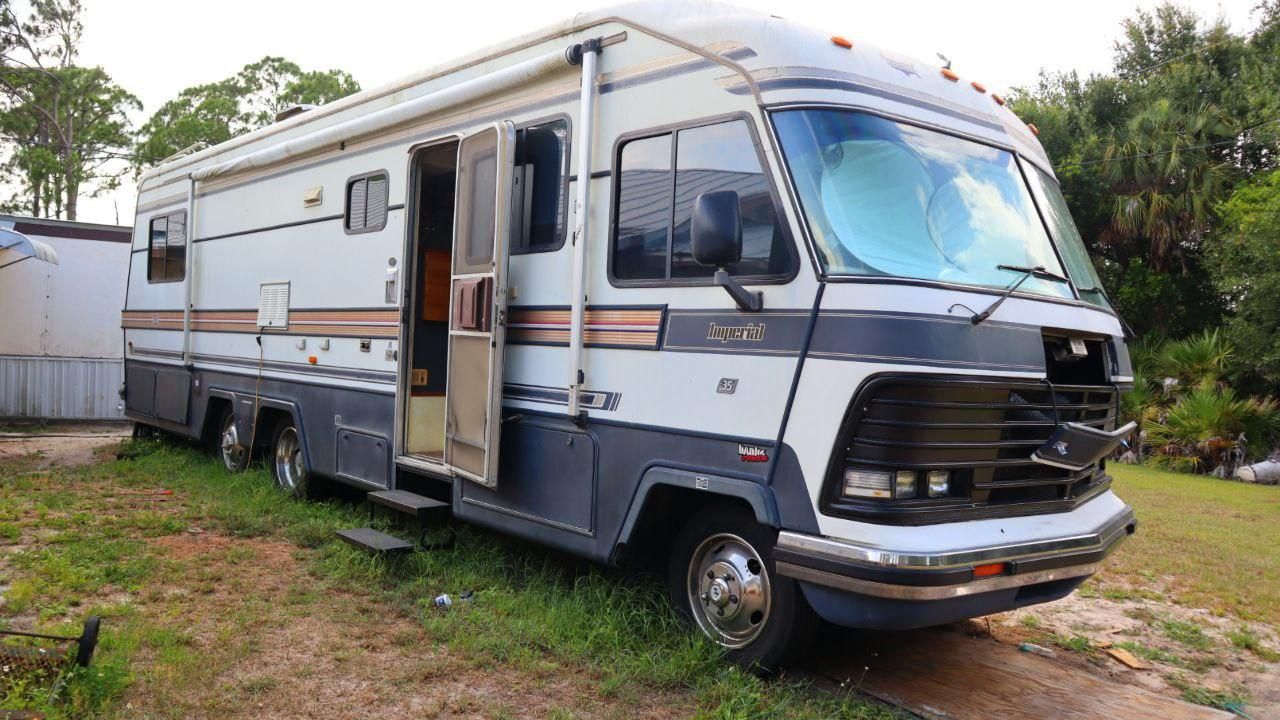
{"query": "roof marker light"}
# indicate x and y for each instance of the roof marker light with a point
(842, 42)
(978, 86)
(1034, 130)
(948, 74)
(999, 100)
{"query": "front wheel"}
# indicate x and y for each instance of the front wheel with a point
(288, 466)
(722, 577)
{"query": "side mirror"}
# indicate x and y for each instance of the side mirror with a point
(716, 231)
(716, 236)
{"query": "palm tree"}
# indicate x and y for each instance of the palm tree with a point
(1165, 177)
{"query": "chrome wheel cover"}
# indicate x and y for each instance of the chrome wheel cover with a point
(291, 471)
(729, 590)
(233, 453)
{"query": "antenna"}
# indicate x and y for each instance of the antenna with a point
(944, 59)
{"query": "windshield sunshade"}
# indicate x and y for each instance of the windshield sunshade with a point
(888, 199)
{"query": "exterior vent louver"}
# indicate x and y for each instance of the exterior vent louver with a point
(273, 305)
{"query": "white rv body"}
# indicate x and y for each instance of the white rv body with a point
(684, 396)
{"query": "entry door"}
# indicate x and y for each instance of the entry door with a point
(478, 295)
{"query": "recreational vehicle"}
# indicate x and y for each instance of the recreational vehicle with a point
(803, 320)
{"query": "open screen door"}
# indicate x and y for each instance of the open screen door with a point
(478, 303)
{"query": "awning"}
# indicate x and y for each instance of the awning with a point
(16, 247)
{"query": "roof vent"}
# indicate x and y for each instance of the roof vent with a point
(295, 110)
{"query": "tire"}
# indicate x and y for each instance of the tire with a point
(287, 461)
(229, 447)
(721, 576)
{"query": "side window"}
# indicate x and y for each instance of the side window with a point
(540, 186)
(366, 203)
(655, 204)
(167, 248)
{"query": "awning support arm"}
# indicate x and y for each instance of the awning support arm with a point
(587, 54)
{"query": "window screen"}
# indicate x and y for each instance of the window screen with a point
(540, 188)
(167, 248)
(655, 205)
(366, 203)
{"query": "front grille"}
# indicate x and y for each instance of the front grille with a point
(982, 431)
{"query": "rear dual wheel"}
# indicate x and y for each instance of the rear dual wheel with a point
(722, 576)
(288, 464)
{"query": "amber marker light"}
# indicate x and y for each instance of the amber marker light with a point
(312, 359)
(842, 42)
(948, 74)
(989, 570)
(1034, 130)
(978, 86)
(999, 100)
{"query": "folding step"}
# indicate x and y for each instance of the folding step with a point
(418, 506)
(374, 541)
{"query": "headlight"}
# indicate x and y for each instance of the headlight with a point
(904, 484)
(939, 483)
(867, 483)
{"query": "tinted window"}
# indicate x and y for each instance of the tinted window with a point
(539, 185)
(655, 205)
(644, 209)
(723, 157)
(167, 248)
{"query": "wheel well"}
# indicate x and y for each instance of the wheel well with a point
(666, 509)
(270, 418)
(213, 412)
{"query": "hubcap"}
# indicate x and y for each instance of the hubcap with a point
(290, 470)
(232, 450)
(728, 590)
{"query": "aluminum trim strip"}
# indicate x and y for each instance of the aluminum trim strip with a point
(944, 592)
(847, 551)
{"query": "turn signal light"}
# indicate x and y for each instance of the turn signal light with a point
(312, 359)
(989, 570)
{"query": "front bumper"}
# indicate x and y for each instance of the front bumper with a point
(861, 585)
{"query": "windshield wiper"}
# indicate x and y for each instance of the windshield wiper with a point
(1038, 271)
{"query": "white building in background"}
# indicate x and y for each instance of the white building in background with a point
(62, 286)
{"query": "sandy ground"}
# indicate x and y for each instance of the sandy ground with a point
(1219, 667)
(61, 445)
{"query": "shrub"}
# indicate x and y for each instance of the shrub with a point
(1209, 428)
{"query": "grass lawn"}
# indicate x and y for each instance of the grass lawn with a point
(207, 593)
(1212, 543)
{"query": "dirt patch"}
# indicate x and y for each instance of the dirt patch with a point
(274, 642)
(1184, 647)
(63, 445)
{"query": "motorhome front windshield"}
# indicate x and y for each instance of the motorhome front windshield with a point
(884, 198)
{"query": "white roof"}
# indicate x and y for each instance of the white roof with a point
(778, 60)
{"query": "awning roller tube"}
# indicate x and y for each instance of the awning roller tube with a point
(404, 112)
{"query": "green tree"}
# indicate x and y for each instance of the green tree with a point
(215, 112)
(67, 125)
(1165, 181)
(1245, 263)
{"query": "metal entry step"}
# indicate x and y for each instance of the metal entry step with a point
(374, 541)
(408, 503)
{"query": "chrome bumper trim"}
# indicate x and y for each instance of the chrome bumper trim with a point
(1113, 530)
(914, 592)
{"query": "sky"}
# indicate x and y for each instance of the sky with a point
(155, 48)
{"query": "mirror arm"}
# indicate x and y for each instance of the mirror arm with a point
(748, 300)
